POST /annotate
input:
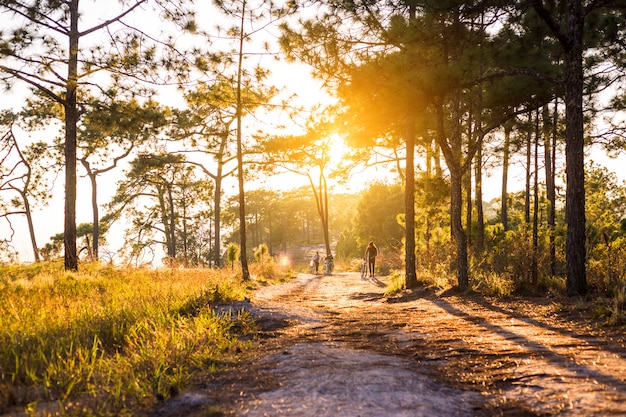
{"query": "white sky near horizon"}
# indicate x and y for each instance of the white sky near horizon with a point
(295, 78)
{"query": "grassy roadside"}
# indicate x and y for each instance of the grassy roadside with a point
(108, 341)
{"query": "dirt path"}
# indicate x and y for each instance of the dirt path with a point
(334, 346)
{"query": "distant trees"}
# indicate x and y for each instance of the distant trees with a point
(283, 220)
(376, 217)
(165, 204)
(308, 155)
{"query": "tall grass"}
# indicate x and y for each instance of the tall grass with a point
(109, 341)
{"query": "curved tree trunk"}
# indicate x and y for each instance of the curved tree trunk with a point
(31, 226)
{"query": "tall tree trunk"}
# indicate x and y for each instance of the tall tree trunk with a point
(469, 204)
(571, 39)
(71, 121)
(95, 215)
(456, 194)
(437, 160)
(284, 232)
(478, 197)
(535, 239)
(245, 272)
(166, 222)
(529, 138)
(172, 219)
(321, 203)
(217, 218)
(576, 282)
(452, 154)
(504, 211)
(270, 232)
(478, 170)
(185, 233)
(549, 136)
(326, 215)
(409, 209)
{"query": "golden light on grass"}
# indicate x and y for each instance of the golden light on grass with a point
(107, 341)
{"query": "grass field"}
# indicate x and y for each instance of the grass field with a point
(110, 341)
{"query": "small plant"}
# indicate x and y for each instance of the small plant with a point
(438, 277)
(232, 254)
(490, 283)
(397, 284)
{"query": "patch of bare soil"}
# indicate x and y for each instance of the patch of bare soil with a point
(335, 346)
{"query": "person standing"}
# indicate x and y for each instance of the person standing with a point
(370, 256)
(316, 261)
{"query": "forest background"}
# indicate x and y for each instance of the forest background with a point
(420, 105)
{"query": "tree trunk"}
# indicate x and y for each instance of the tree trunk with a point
(456, 203)
(504, 213)
(452, 154)
(469, 203)
(217, 218)
(535, 239)
(325, 216)
(574, 153)
(245, 272)
(172, 225)
(71, 121)
(321, 203)
(95, 215)
(409, 208)
(166, 214)
(31, 226)
(529, 138)
(549, 136)
(478, 198)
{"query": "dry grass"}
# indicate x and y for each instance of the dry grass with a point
(109, 341)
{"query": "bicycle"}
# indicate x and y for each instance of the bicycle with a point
(364, 269)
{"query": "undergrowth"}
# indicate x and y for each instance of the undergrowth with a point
(109, 341)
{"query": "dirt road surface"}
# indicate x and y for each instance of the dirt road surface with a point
(335, 346)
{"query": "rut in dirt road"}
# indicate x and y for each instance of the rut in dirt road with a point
(339, 348)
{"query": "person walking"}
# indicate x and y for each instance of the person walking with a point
(316, 261)
(370, 257)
